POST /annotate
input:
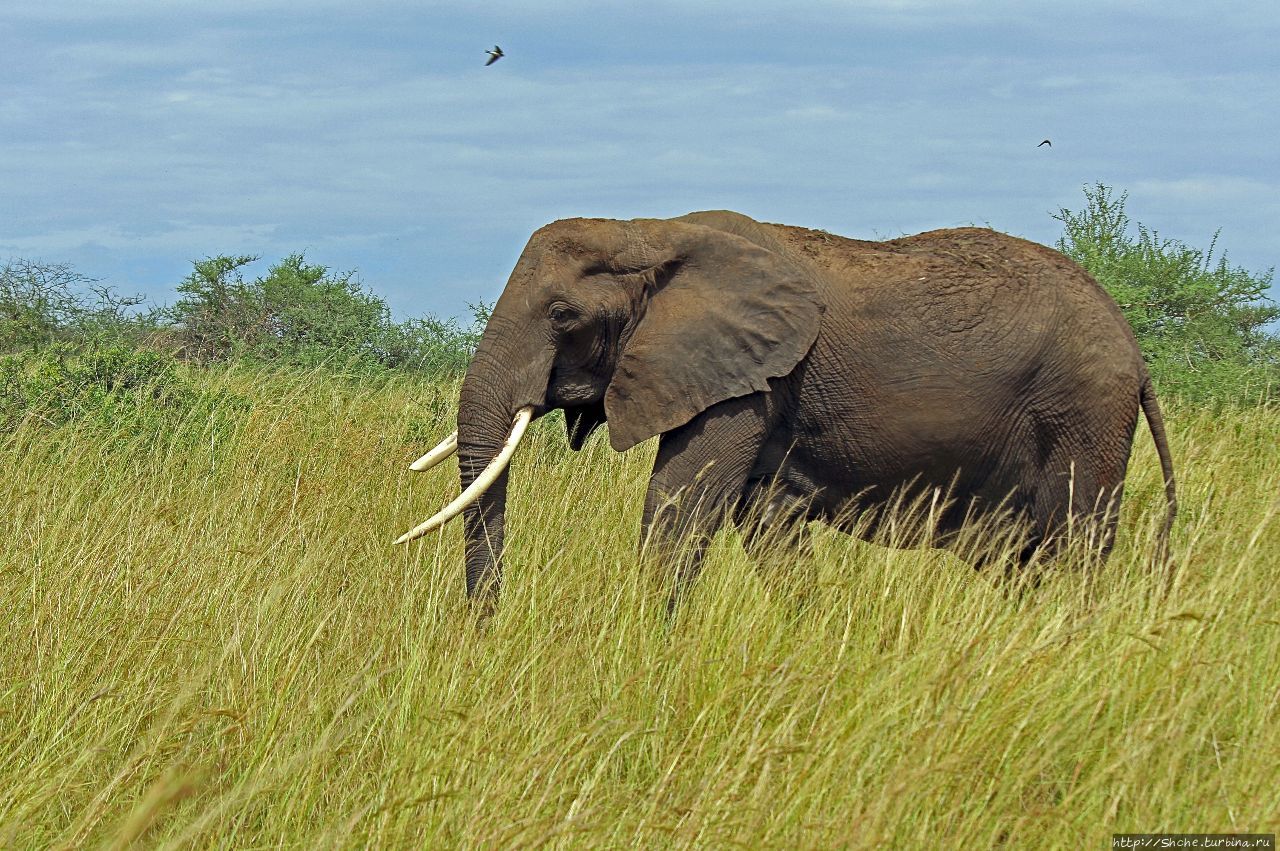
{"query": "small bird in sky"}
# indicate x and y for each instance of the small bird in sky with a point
(1045, 142)
(494, 55)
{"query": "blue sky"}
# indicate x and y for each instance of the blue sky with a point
(137, 136)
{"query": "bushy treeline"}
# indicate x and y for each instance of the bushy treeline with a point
(302, 313)
(75, 352)
(117, 390)
(44, 304)
(1202, 323)
(297, 314)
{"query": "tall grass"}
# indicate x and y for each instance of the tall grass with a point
(211, 642)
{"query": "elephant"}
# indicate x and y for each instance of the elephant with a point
(794, 375)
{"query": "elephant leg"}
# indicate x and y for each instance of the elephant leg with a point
(698, 481)
(1074, 506)
(774, 533)
(1078, 505)
(771, 518)
(1085, 451)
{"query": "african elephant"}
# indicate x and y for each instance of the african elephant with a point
(801, 373)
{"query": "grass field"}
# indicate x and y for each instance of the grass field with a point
(208, 640)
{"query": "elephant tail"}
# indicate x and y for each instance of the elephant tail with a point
(1155, 421)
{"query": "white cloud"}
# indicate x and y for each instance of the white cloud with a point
(379, 140)
(1207, 188)
(195, 239)
(1062, 81)
(816, 112)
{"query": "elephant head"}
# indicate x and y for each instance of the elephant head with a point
(643, 324)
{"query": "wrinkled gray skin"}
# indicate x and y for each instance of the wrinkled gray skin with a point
(798, 375)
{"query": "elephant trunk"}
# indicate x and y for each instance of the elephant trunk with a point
(484, 423)
(493, 395)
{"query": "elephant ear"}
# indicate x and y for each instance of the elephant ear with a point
(721, 318)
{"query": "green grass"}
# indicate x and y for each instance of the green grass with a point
(210, 641)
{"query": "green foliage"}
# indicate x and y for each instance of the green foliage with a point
(117, 389)
(1201, 322)
(437, 346)
(42, 304)
(301, 314)
(311, 314)
(218, 315)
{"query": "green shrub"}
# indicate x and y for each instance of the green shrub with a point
(436, 346)
(302, 314)
(218, 315)
(42, 304)
(1201, 322)
(310, 315)
(120, 390)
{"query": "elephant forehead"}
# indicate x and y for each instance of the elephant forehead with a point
(565, 233)
(622, 243)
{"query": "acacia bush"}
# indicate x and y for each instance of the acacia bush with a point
(42, 304)
(1201, 322)
(303, 314)
(119, 390)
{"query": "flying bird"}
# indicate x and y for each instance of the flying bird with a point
(494, 55)
(1045, 142)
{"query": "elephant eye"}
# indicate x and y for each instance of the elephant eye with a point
(562, 314)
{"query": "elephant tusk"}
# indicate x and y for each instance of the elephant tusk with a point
(477, 488)
(443, 450)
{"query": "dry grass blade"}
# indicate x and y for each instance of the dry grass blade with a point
(228, 655)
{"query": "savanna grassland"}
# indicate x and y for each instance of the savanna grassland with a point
(209, 641)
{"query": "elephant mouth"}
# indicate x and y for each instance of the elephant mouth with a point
(581, 420)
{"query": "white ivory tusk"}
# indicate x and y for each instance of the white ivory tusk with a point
(479, 486)
(443, 450)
